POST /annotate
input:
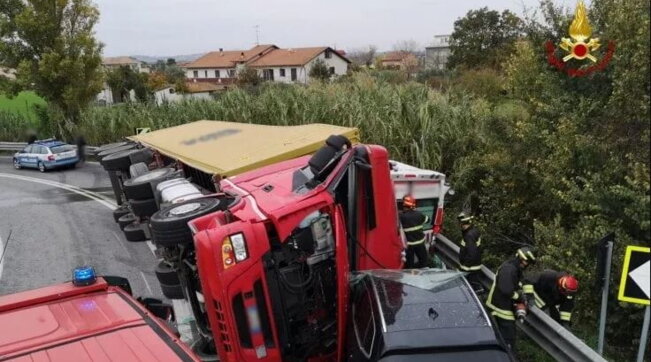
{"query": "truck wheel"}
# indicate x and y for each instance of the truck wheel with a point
(126, 219)
(140, 187)
(172, 291)
(337, 142)
(134, 232)
(166, 275)
(101, 154)
(169, 226)
(119, 212)
(138, 169)
(109, 146)
(143, 208)
(120, 161)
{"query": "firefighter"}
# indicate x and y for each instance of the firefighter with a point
(554, 291)
(506, 295)
(412, 222)
(470, 252)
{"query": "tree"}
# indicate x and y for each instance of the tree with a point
(483, 38)
(320, 71)
(123, 80)
(248, 77)
(409, 46)
(364, 56)
(53, 48)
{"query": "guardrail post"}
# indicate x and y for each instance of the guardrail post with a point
(645, 334)
(604, 300)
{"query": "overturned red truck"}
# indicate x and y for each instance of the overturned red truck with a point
(264, 256)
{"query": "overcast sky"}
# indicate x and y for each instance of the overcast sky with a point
(175, 27)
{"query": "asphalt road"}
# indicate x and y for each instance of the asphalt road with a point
(55, 227)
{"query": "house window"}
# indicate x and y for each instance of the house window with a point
(332, 70)
(205, 74)
(328, 54)
(217, 73)
(268, 74)
(196, 73)
(282, 72)
(293, 73)
(231, 73)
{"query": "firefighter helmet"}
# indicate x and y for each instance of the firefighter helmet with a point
(409, 202)
(526, 254)
(464, 219)
(568, 284)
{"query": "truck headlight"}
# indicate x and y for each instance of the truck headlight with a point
(239, 247)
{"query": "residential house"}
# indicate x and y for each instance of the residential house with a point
(194, 90)
(116, 62)
(402, 60)
(436, 55)
(273, 64)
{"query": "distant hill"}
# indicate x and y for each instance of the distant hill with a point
(178, 58)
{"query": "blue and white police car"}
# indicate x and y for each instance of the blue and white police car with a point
(46, 154)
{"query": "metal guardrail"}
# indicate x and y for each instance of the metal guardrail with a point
(17, 146)
(557, 341)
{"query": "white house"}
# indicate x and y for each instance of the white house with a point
(195, 90)
(436, 55)
(272, 63)
(116, 62)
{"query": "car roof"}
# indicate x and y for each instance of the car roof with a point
(97, 322)
(50, 143)
(431, 309)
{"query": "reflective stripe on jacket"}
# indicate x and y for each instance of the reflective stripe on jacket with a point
(412, 224)
(470, 251)
(504, 291)
(545, 291)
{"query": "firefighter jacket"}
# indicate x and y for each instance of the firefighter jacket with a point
(412, 224)
(470, 252)
(544, 288)
(505, 291)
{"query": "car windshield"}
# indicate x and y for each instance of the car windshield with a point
(490, 355)
(62, 148)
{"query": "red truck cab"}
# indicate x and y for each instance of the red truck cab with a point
(274, 265)
(97, 322)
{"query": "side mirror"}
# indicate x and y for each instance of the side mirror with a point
(161, 310)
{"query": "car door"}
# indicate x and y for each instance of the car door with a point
(28, 158)
(40, 154)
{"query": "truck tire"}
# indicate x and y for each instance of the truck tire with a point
(172, 291)
(109, 146)
(138, 169)
(119, 212)
(101, 154)
(126, 219)
(140, 187)
(143, 208)
(169, 226)
(337, 142)
(166, 275)
(120, 161)
(134, 232)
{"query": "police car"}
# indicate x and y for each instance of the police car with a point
(46, 154)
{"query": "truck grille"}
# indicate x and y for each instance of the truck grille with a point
(223, 334)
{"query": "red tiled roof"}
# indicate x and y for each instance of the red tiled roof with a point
(292, 56)
(119, 61)
(229, 58)
(395, 56)
(201, 87)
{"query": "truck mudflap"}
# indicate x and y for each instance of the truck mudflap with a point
(233, 281)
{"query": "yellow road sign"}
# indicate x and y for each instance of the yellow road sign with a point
(634, 284)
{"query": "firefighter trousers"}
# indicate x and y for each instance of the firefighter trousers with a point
(507, 330)
(420, 252)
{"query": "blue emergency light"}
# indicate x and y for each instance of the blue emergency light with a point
(84, 275)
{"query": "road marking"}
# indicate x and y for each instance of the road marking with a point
(2, 261)
(146, 283)
(90, 194)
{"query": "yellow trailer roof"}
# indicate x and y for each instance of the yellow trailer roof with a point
(230, 148)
